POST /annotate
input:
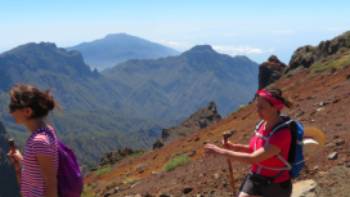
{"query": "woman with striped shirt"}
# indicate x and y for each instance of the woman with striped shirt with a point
(30, 106)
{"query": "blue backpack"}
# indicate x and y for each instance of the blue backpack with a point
(295, 161)
(296, 156)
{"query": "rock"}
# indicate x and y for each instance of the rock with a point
(134, 185)
(165, 134)
(192, 153)
(322, 104)
(348, 77)
(113, 157)
(93, 169)
(339, 142)
(338, 124)
(155, 156)
(347, 164)
(148, 195)
(330, 145)
(158, 144)
(216, 176)
(333, 156)
(270, 71)
(315, 168)
(187, 190)
(320, 109)
(107, 194)
(300, 113)
(140, 168)
(109, 187)
(336, 100)
(304, 188)
(322, 173)
(116, 189)
(164, 195)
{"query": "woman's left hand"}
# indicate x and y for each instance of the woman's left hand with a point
(213, 149)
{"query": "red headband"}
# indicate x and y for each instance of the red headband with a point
(277, 103)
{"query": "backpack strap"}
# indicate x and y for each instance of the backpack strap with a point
(276, 129)
(258, 134)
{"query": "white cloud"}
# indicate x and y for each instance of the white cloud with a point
(176, 45)
(241, 50)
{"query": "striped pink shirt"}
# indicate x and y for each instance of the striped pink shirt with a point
(41, 142)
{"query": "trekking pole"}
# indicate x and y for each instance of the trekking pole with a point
(226, 136)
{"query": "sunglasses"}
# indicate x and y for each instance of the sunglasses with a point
(15, 106)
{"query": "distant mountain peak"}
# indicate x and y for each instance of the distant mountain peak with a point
(202, 49)
(46, 56)
(43, 44)
(120, 47)
(34, 46)
(122, 34)
(41, 48)
(117, 36)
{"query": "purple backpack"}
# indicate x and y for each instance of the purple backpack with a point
(69, 177)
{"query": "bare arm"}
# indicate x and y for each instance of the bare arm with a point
(237, 147)
(49, 172)
(255, 157)
(16, 159)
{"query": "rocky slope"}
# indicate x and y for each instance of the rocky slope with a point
(208, 176)
(330, 53)
(321, 100)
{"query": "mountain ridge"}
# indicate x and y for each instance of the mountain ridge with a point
(116, 48)
(95, 107)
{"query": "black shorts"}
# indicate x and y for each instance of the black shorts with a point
(258, 185)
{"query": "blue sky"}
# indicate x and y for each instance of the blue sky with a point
(253, 28)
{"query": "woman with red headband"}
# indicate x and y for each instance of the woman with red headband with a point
(264, 155)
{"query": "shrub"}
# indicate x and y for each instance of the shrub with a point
(176, 162)
(103, 170)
